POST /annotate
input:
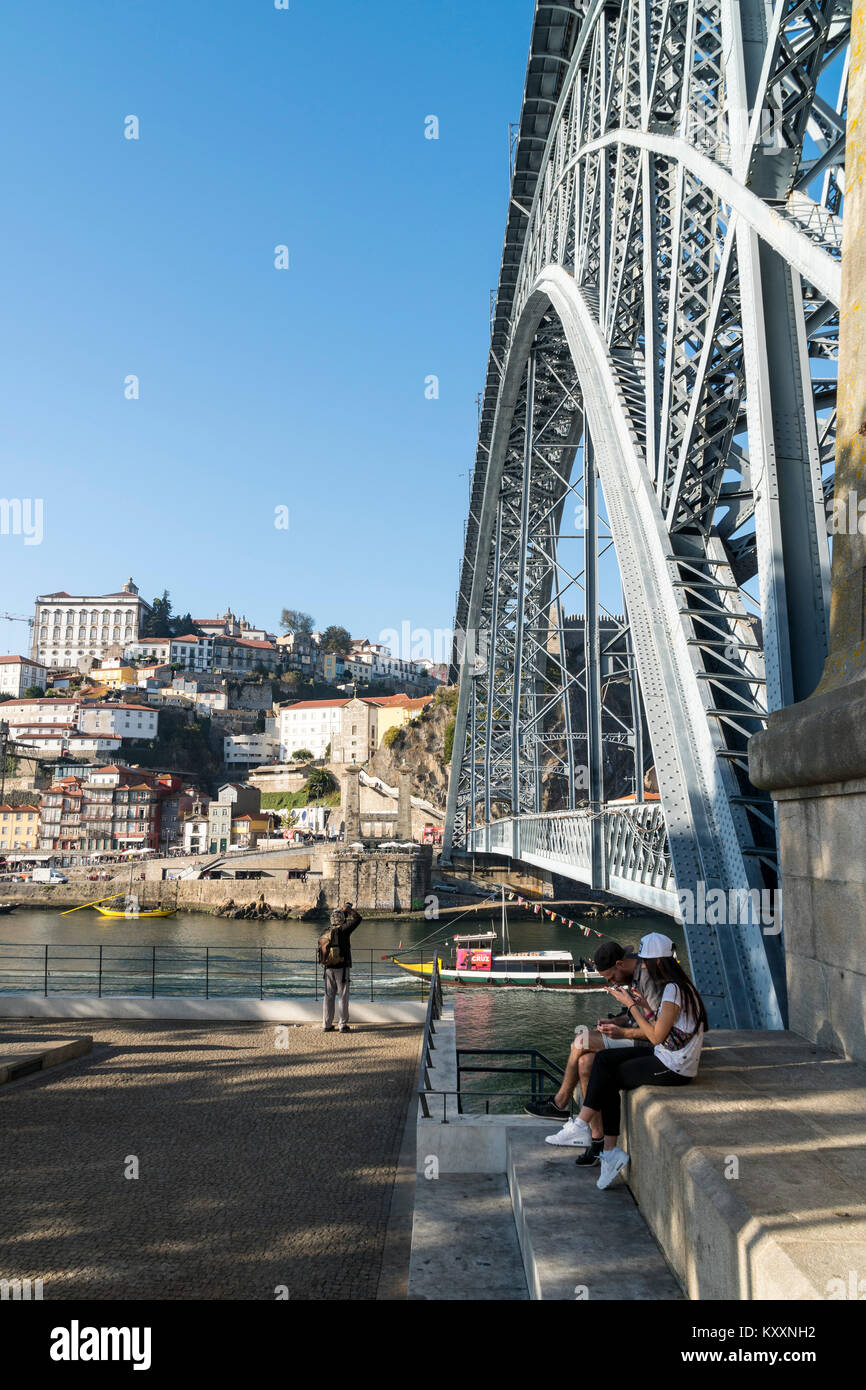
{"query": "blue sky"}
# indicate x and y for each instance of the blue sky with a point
(259, 388)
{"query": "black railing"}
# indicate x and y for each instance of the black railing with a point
(434, 1012)
(539, 1069)
(209, 972)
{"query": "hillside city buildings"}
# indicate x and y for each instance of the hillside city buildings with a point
(108, 686)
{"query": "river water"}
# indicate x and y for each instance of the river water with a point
(170, 956)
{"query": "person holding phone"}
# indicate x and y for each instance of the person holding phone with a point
(618, 966)
(675, 1036)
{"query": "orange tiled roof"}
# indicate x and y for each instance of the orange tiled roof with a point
(47, 700)
(314, 704)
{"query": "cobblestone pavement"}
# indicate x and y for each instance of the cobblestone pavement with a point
(258, 1167)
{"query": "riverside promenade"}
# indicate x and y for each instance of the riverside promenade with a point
(266, 1160)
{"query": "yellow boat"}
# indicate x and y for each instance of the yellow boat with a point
(414, 968)
(154, 912)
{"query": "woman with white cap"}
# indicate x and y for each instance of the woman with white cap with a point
(676, 1033)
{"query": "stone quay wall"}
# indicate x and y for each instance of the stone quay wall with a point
(378, 882)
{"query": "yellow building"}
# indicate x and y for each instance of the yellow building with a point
(396, 710)
(19, 828)
(247, 829)
(114, 673)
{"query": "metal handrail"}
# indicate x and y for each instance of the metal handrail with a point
(97, 969)
(434, 1011)
(540, 1066)
(486, 1096)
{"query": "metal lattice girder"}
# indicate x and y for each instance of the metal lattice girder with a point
(666, 324)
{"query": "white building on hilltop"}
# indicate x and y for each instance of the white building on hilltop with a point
(70, 628)
(18, 673)
(309, 724)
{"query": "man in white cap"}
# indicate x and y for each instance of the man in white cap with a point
(655, 946)
(624, 968)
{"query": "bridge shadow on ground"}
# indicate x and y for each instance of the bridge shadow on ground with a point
(259, 1167)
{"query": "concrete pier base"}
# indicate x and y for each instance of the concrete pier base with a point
(752, 1179)
(813, 758)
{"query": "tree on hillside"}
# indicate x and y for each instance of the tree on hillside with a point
(33, 692)
(302, 755)
(293, 620)
(320, 783)
(184, 627)
(158, 621)
(162, 622)
(336, 639)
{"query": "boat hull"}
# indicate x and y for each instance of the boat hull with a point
(157, 912)
(488, 979)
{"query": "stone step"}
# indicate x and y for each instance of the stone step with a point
(578, 1242)
(18, 1059)
(464, 1244)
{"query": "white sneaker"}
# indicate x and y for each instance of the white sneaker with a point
(613, 1161)
(575, 1134)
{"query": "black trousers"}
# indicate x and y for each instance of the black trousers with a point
(624, 1069)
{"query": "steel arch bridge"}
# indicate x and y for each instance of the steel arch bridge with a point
(660, 388)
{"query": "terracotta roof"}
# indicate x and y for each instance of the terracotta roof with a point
(18, 808)
(190, 637)
(23, 660)
(93, 597)
(75, 737)
(118, 705)
(42, 728)
(46, 700)
(250, 642)
(314, 704)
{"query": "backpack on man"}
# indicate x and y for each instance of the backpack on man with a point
(331, 954)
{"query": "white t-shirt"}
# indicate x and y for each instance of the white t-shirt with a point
(684, 1061)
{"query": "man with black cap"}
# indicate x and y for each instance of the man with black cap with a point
(623, 969)
(335, 956)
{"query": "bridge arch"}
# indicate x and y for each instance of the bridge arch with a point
(667, 299)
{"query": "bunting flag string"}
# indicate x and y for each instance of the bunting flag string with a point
(540, 911)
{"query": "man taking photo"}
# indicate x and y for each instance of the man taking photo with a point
(335, 957)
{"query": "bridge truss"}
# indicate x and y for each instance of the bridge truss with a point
(661, 387)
